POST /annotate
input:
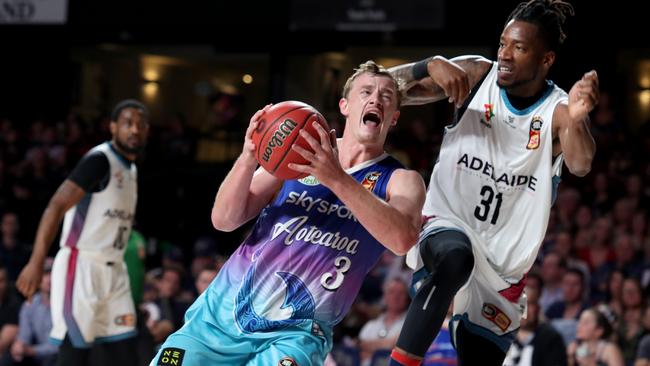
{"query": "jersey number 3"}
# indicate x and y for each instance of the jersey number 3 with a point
(332, 282)
(482, 211)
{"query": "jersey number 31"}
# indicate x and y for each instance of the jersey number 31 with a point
(482, 211)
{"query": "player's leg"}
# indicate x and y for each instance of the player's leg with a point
(487, 315)
(467, 344)
(70, 355)
(294, 348)
(115, 319)
(200, 342)
(72, 308)
(448, 257)
(122, 352)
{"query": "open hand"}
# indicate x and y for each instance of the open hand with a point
(324, 160)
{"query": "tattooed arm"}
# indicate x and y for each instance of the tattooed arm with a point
(436, 78)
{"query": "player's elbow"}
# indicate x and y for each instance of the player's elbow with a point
(580, 172)
(221, 223)
(405, 241)
(580, 168)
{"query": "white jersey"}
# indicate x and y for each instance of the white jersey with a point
(101, 222)
(494, 176)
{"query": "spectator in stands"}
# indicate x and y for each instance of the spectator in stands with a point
(564, 314)
(534, 286)
(536, 343)
(32, 346)
(172, 309)
(14, 253)
(381, 333)
(630, 328)
(592, 345)
(628, 259)
(614, 298)
(204, 278)
(9, 307)
(643, 351)
(552, 270)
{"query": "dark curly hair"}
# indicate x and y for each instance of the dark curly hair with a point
(548, 15)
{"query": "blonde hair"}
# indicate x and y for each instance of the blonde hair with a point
(371, 67)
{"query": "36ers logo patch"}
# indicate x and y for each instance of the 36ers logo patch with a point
(119, 178)
(534, 133)
(287, 361)
(370, 180)
(496, 316)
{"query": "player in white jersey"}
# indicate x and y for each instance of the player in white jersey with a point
(90, 298)
(491, 190)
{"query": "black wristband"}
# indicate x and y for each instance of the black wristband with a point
(420, 70)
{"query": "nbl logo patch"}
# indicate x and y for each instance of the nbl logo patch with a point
(171, 357)
(287, 361)
(496, 316)
(370, 180)
(126, 320)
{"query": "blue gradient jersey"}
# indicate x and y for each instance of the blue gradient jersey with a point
(305, 258)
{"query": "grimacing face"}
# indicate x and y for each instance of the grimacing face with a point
(371, 107)
(130, 131)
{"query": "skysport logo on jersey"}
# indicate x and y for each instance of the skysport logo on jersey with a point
(488, 114)
(535, 132)
(370, 180)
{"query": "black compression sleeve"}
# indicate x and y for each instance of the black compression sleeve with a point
(92, 172)
(420, 70)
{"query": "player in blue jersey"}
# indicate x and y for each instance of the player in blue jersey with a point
(277, 298)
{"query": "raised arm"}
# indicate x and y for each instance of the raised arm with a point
(436, 78)
(244, 192)
(395, 222)
(571, 125)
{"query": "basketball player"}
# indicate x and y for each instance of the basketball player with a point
(492, 187)
(277, 298)
(91, 300)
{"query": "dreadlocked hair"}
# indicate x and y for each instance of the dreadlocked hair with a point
(548, 15)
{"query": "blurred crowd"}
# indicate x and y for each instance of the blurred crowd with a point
(587, 293)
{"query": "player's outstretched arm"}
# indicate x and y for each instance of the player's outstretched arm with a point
(571, 125)
(68, 195)
(437, 78)
(395, 222)
(244, 192)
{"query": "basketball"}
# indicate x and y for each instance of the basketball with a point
(278, 129)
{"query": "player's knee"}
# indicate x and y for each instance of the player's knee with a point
(457, 265)
(448, 252)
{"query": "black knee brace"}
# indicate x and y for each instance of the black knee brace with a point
(448, 257)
